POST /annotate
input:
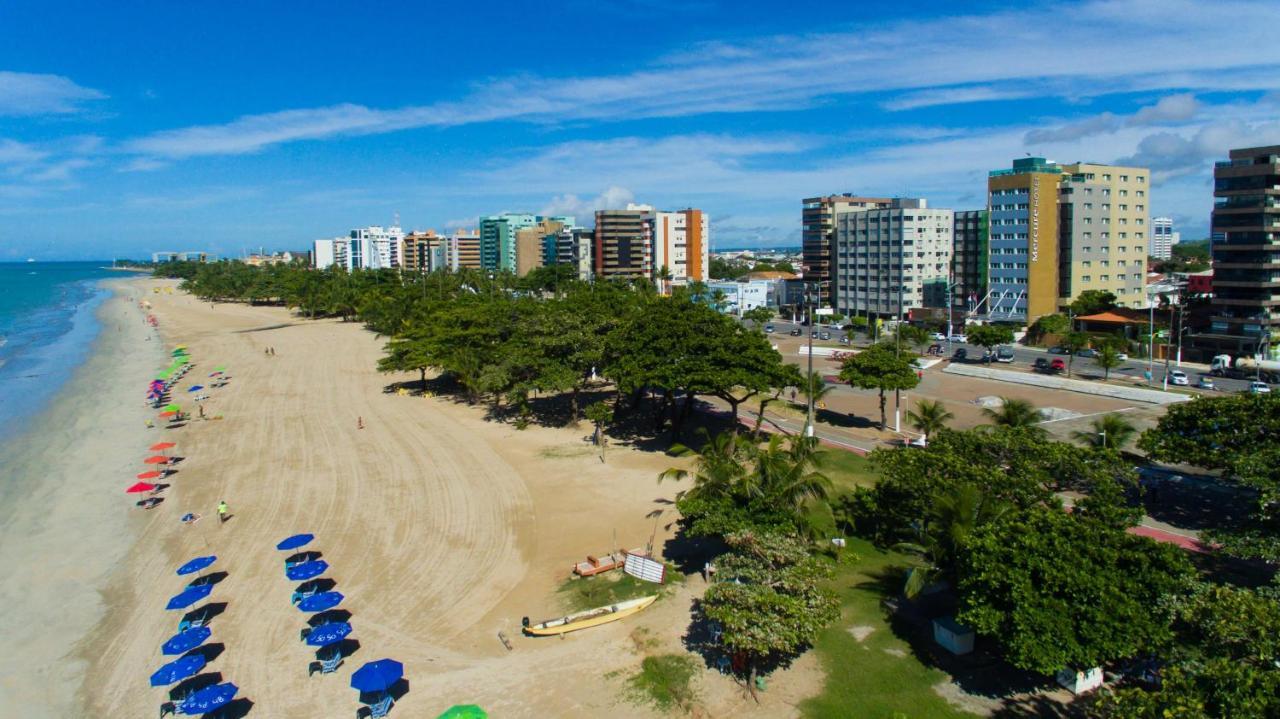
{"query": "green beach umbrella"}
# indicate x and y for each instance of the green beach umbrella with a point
(163, 374)
(179, 352)
(464, 711)
(220, 368)
(184, 359)
(173, 408)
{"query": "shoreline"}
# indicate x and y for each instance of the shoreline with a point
(62, 526)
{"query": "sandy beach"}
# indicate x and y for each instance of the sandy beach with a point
(440, 528)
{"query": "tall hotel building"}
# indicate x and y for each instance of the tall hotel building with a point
(971, 234)
(1058, 230)
(641, 241)
(1245, 315)
(624, 244)
(890, 260)
(817, 233)
(1163, 238)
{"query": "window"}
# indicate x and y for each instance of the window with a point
(1088, 190)
(1138, 221)
(1104, 278)
(1124, 208)
(1121, 263)
(1086, 249)
(1141, 179)
(1124, 178)
(1086, 263)
(1088, 220)
(1106, 207)
(1106, 192)
(1088, 205)
(1106, 178)
(1140, 193)
(1137, 276)
(1124, 193)
(1124, 235)
(1086, 278)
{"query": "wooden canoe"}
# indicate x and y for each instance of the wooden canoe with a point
(589, 618)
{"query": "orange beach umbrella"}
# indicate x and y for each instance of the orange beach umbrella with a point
(157, 459)
(158, 446)
(140, 487)
(169, 413)
(153, 474)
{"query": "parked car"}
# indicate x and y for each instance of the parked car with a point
(1057, 365)
(824, 335)
(938, 337)
(1179, 378)
(1205, 382)
(1058, 350)
(1257, 387)
(1122, 357)
(1088, 352)
(959, 338)
(768, 328)
(1040, 365)
(1004, 354)
(796, 332)
(960, 355)
(844, 340)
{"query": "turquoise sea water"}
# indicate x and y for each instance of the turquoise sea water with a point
(47, 327)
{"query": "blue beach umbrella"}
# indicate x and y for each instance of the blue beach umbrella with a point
(320, 602)
(208, 699)
(326, 634)
(189, 596)
(178, 670)
(377, 676)
(307, 570)
(196, 565)
(184, 641)
(195, 388)
(297, 540)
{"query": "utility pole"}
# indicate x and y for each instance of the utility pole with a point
(808, 423)
(1167, 347)
(1151, 337)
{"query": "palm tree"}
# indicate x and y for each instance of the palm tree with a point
(1110, 431)
(928, 417)
(815, 387)
(718, 470)
(952, 518)
(789, 476)
(1015, 414)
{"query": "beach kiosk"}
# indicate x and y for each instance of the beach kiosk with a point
(955, 637)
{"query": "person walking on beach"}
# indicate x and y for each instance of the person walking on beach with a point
(201, 411)
(273, 351)
(222, 511)
(359, 422)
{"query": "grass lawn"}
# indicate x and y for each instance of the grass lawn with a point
(847, 470)
(580, 593)
(878, 676)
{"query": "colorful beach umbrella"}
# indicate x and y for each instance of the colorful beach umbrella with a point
(183, 642)
(140, 487)
(189, 596)
(321, 602)
(171, 407)
(169, 413)
(326, 634)
(307, 570)
(196, 565)
(297, 540)
(464, 711)
(377, 676)
(156, 459)
(153, 474)
(178, 670)
(195, 388)
(208, 699)
(161, 446)
(220, 368)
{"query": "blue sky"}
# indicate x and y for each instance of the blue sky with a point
(140, 126)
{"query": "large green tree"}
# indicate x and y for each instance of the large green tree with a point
(989, 336)
(881, 368)
(1059, 591)
(1091, 302)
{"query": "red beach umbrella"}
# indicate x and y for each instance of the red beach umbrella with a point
(168, 413)
(157, 459)
(153, 474)
(158, 446)
(140, 487)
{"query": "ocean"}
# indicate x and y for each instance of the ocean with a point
(47, 328)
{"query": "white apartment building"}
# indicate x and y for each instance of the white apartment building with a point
(681, 243)
(887, 261)
(367, 248)
(740, 297)
(1163, 238)
(322, 257)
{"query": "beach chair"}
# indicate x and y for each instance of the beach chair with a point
(381, 708)
(168, 708)
(327, 665)
(300, 595)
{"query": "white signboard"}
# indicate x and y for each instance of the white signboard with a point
(645, 569)
(824, 311)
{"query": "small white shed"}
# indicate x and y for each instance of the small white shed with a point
(955, 637)
(1079, 682)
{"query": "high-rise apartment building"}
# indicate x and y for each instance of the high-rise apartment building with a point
(536, 245)
(888, 261)
(378, 247)
(573, 247)
(680, 244)
(970, 233)
(498, 238)
(1163, 238)
(1103, 233)
(1059, 230)
(623, 244)
(464, 250)
(1245, 315)
(817, 233)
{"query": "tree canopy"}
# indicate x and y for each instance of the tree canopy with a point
(881, 368)
(1091, 302)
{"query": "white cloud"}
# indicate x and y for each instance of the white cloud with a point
(1172, 108)
(1167, 110)
(1067, 52)
(583, 209)
(31, 94)
(143, 164)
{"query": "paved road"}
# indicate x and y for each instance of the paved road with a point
(1024, 357)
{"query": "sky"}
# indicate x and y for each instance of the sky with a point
(133, 127)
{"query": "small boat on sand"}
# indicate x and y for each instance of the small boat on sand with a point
(599, 565)
(589, 618)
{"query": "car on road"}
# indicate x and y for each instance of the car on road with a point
(1058, 350)
(960, 355)
(1088, 352)
(1040, 365)
(959, 338)
(1004, 355)
(796, 332)
(1257, 387)
(824, 335)
(1056, 365)
(1122, 357)
(1205, 382)
(768, 328)
(938, 337)
(1179, 378)
(844, 340)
